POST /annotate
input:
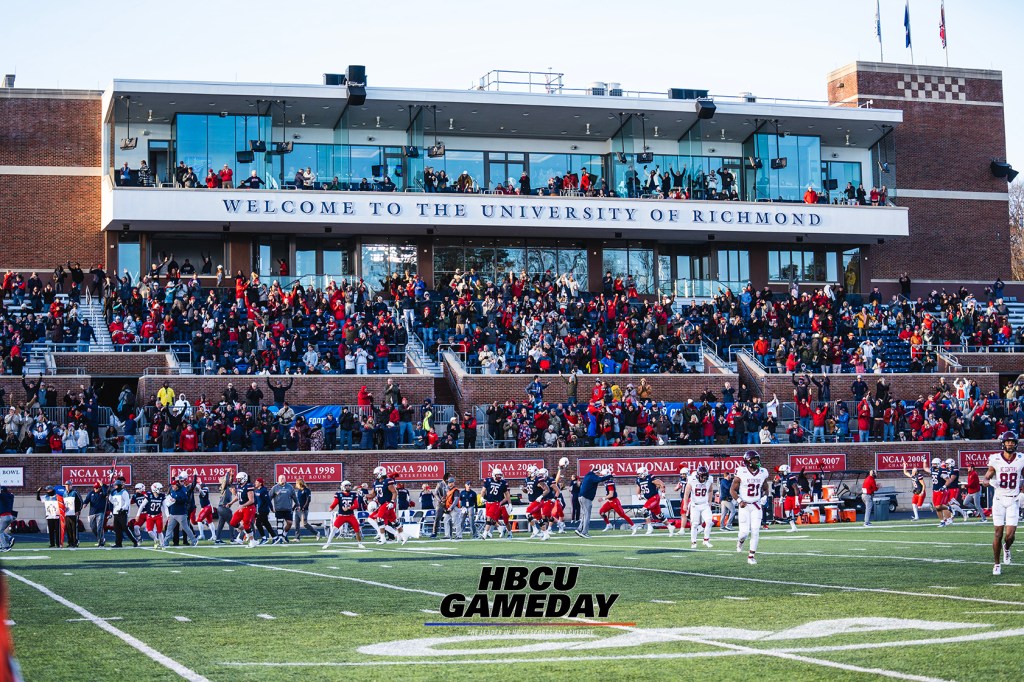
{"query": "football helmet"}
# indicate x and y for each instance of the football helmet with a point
(346, 485)
(752, 459)
(564, 462)
(541, 473)
(531, 470)
(141, 487)
(784, 469)
(641, 470)
(156, 487)
(605, 471)
(936, 462)
(1008, 436)
(702, 473)
(380, 472)
(242, 477)
(497, 473)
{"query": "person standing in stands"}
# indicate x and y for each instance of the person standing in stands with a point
(279, 390)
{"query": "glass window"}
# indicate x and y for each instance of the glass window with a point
(636, 262)
(616, 261)
(541, 259)
(446, 260)
(510, 259)
(851, 271)
(457, 162)
(803, 166)
(305, 262)
(129, 255)
(665, 275)
(574, 262)
(378, 261)
(734, 267)
(192, 248)
(840, 172)
(336, 263)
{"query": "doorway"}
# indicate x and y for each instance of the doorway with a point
(159, 161)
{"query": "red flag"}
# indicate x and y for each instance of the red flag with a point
(942, 24)
(62, 512)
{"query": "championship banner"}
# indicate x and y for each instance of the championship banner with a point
(975, 458)
(415, 471)
(87, 475)
(311, 472)
(209, 474)
(664, 466)
(818, 462)
(12, 477)
(895, 461)
(510, 468)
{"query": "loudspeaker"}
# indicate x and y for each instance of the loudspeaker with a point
(258, 146)
(128, 143)
(620, 158)
(753, 163)
(1000, 169)
(244, 157)
(832, 184)
(645, 157)
(377, 171)
(412, 152)
(436, 151)
(705, 108)
(356, 95)
(334, 79)
(283, 147)
(779, 163)
(356, 73)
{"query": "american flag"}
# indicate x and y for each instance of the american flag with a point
(942, 23)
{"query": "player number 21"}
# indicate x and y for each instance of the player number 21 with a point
(751, 489)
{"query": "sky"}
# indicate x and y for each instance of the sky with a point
(772, 49)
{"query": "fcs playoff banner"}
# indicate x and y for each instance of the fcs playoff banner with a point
(87, 475)
(310, 472)
(975, 458)
(895, 461)
(664, 466)
(209, 474)
(812, 463)
(510, 468)
(415, 471)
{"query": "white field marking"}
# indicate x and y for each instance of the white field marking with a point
(927, 560)
(122, 572)
(229, 570)
(182, 619)
(175, 571)
(349, 613)
(1008, 584)
(806, 594)
(312, 573)
(69, 574)
(889, 542)
(417, 551)
(1008, 613)
(858, 549)
(768, 581)
(632, 558)
(943, 587)
(779, 654)
(661, 601)
(265, 616)
(27, 557)
(435, 564)
(430, 611)
(86, 620)
(738, 598)
(632, 657)
(385, 566)
(169, 663)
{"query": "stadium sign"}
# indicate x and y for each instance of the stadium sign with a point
(311, 472)
(510, 468)
(975, 458)
(12, 476)
(818, 462)
(415, 471)
(664, 466)
(87, 475)
(896, 461)
(209, 474)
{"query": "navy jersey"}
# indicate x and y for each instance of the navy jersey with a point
(918, 482)
(609, 490)
(792, 482)
(204, 496)
(382, 489)
(403, 499)
(262, 499)
(243, 492)
(553, 490)
(532, 490)
(347, 502)
(155, 503)
(938, 477)
(139, 500)
(953, 479)
(495, 489)
(647, 487)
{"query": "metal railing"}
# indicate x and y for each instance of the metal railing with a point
(994, 348)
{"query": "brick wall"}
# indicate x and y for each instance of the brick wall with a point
(475, 389)
(1009, 363)
(47, 130)
(16, 392)
(306, 390)
(43, 470)
(112, 364)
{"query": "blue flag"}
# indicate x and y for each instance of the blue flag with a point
(878, 20)
(906, 21)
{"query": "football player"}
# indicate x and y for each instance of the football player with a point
(697, 501)
(939, 473)
(384, 518)
(496, 502)
(245, 514)
(139, 500)
(551, 508)
(791, 495)
(202, 516)
(155, 514)
(1005, 470)
(917, 481)
(534, 488)
(952, 488)
(612, 503)
(650, 489)
(347, 503)
(750, 490)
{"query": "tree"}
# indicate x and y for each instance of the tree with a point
(1017, 229)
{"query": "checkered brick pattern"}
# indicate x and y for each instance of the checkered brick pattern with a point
(940, 88)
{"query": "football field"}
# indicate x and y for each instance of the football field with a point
(900, 600)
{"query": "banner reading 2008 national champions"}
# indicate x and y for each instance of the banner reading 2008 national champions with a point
(663, 466)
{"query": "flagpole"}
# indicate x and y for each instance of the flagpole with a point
(878, 29)
(945, 41)
(906, 24)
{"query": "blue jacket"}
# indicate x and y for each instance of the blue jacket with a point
(589, 483)
(179, 506)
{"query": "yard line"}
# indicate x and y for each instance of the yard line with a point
(942, 587)
(349, 613)
(265, 616)
(85, 620)
(661, 601)
(429, 611)
(738, 598)
(1008, 584)
(1008, 613)
(137, 644)
(435, 564)
(26, 557)
(312, 573)
(69, 574)
(806, 594)
(385, 566)
(767, 581)
(182, 619)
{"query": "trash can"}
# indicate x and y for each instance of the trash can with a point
(880, 510)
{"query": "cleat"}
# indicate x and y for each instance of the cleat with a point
(580, 533)
(327, 546)
(650, 530)
(545, 536)
(751, 560)
(195, 542)
(671, 530)
(997, 570)
(360, 545)
(868, 525)
(693, 545)
(403, 538)
(792, 529)
(607, 527)
(707, 543)
(252, 543)
(739, 546)
(635, 529)
(1006, 556)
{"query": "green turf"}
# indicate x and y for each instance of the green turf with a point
(221, 590)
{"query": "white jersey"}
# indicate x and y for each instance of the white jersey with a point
(751, 483)
(1007, 481)
(700, 493)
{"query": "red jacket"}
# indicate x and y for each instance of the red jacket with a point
(870, 487)
(973, 483)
